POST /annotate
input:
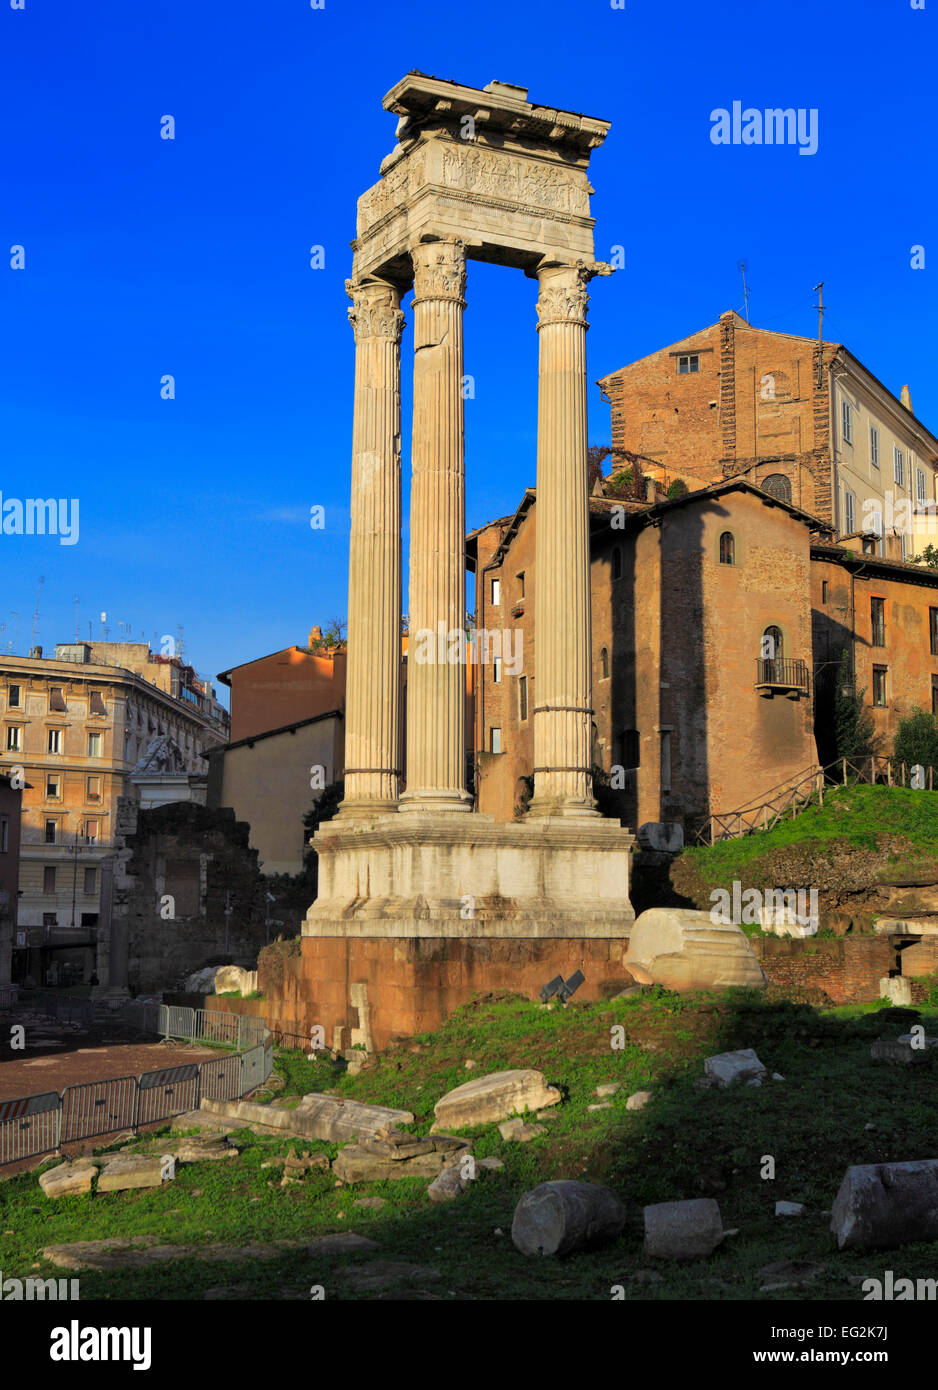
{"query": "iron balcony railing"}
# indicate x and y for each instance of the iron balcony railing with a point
(782, 673)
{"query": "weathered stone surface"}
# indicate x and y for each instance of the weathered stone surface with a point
(201, 1148)
(683, 1230)
(901, 1050)
(341, 1243)
(353, 1164)
(609, 1088)
(487, 1099)
(493, 1164)
(638, 1100)
(68, 1179)
(790, 1209)
(448, 1186)
(726, 1068)
(139, 1252)
(385, 1274)
(519, 1132)
(126, 1171)
(896, 988)
(558, 1218)
(601, 1105)
(316, 1117)
(882, 1205)
(685, 950)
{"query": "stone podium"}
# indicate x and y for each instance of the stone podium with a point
(421, 898)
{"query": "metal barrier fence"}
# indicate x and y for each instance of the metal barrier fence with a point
(256, 1066)
(98, 1107)
(167, 1091)
(212, 1025)
(29, 1126)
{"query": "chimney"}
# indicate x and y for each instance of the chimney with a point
(906, 399)
(35, 653)
(315, 635)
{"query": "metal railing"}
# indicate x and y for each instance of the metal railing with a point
(782, 672)
(31, 1126)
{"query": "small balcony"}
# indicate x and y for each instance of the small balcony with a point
(781, 676)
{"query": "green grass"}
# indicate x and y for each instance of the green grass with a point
(685, 1143)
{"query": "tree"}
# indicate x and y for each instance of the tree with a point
(929, 557)
(333, 636)
(678, 488)
(917, 740)
(854, 730)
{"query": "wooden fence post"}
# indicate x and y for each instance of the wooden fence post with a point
(845, 771)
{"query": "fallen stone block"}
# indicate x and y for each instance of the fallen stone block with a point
(896, 988)
(68, 1179)
(519, 1132)
(488, 1099)
(342, 1242)
(386, 1274)
(492, 1164)
(609, 1088)
(685, 950)
(601, 1105)
(725, 1068)
(316, 1117)
(882, 1205)
(899, 1051)
(683, 1230)
(558, 1218)
(638, 1100)
(448, 1186)
(127, 1171)
(790, 1209)
(353, 1164)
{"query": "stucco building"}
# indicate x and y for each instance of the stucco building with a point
(78, 723)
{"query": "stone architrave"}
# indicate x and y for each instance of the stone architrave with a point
(373, 673)
(436, 684)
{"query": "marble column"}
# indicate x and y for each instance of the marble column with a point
(563, 685)
(436, 665)
(373, 673)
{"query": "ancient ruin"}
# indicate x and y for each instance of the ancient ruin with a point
(476, 175)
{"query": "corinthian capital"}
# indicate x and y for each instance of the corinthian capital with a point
(562, 296)
(440, 270)
(375, 311)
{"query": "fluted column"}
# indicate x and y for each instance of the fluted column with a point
(373, 673)
(436, 670)
(563, 686)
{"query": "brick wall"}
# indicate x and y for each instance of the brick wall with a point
(848, 970)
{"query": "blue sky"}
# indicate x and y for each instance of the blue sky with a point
(191, 257)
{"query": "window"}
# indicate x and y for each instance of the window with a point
(96, 703)
(496, 600)
(879, 685)
(91, 881)
(52, 829)
(522, 697)
(616, 562)
(689, 363)
(4, 834)
(777, 486)
(495, 740)
(49, 919)
(772, 644)
(13, 697)
(727, 549)
(849, 511)
(665, 760)
(497, 670)
(53, 787)
(824, 590)
(878, 621)
(91, 832)
(14, 739)
(874, 446)
(94, 788)
(898, 466)
(846, 417)
(934, 694)
(920, 485)
(933, 630)
(54, 744)
(48, 880)
(95, 745)
(521, 584)
(57, 700)
(604, 663)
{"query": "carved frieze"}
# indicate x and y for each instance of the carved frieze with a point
(491, 174)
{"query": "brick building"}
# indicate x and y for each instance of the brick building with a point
(808, 422)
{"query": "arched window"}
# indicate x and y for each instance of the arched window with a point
(616, 563)
(778, 486)
(772, 648)
(727, 549)
(604, 663)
